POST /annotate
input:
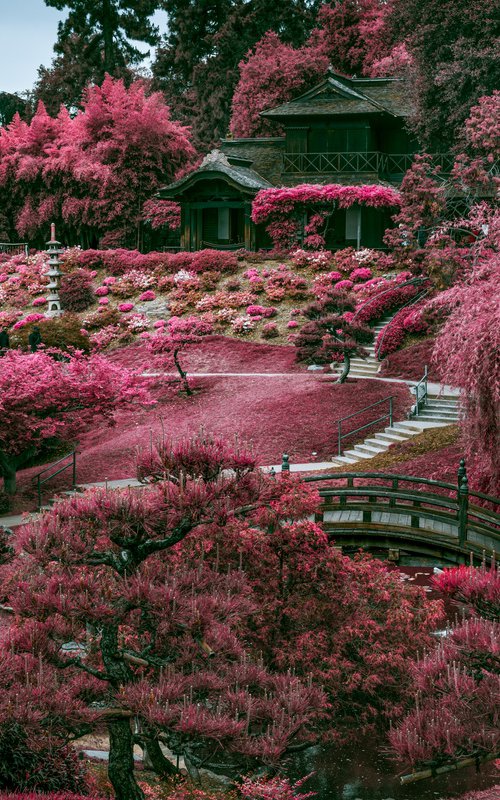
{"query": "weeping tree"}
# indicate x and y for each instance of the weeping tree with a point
(332, 333)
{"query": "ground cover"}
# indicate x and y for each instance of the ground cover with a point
(295, 413)
(215, 354)
(410, 362)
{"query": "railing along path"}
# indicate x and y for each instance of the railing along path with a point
(374, 510)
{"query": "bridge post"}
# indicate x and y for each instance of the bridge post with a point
(285, 463)
(463, 510)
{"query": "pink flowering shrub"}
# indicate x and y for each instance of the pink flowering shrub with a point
(270, 330)
(412, 320)
(101, 291)
(31, 319)
(361, 274)
(39, 301)
(9, 318)
(125, 307)
(343, 286)
(223, 299)
(380, 296)
(147, 296)
(159, 323)
(315, 260)
(261, 311)
(103, 301)
(292, 324)
(242, 325)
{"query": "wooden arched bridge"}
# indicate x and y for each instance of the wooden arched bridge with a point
(409, 519)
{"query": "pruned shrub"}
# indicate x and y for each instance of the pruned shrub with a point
(270, 330)
(63, 333)
(76, 291)
(37, 765)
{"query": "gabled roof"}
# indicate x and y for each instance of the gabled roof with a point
(339, 95)
(218, 165)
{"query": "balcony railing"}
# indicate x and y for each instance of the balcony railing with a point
(384, 165)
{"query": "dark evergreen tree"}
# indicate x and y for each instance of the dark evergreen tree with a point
(92, 41)
(455, 45)
(11, 104)
(196, 65)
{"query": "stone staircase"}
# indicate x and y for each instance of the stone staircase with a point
(439, 411)
(367, 367)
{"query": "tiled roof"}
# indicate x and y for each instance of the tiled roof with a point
(217, 162)
(337, 95)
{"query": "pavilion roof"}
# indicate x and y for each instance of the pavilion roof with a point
(340, 95)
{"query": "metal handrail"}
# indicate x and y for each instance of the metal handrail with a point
(411, 302)
(420, 399)
(388, 416)
(40, 481)
(411, 282)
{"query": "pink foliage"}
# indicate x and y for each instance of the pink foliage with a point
(162, 213)
(468, 351)
(29, 320)
(282, 209)
(43, 399)
(125, 307)
(269, 76)
(406, 321)
(147, 296)
(119, 148)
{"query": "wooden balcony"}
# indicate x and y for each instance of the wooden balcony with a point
(383, 165)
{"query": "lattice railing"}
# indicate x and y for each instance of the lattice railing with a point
(383, 164)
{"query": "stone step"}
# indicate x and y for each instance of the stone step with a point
(391, 437)
(383, 443)
(358, 454)
(345, 460)
(372, 450)
(406, 427)
(445, 412)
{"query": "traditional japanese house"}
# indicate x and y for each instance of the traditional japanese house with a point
(343, 131)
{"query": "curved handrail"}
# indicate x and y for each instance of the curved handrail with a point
(411, 282)
(411, 302)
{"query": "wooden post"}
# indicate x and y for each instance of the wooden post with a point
(463, 510)
(249, 230)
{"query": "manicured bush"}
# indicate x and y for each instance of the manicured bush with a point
(62, 333)
(37, 766)
(147, 296)
(270, 330)
(125, 307)
(76, 291)
(101, 318)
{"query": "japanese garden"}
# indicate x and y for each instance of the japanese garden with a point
(250, 400)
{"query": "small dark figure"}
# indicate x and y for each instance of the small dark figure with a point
(34, 339)
(4, 341)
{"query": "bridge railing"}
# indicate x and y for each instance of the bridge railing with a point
(448, 516)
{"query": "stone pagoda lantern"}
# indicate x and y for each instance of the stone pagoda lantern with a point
(53, 251)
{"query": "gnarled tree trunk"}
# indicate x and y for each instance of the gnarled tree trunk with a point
(345, 369)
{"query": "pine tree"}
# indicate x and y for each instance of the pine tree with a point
(94, 40)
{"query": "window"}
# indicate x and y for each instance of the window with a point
(353, 224)
(223, 224)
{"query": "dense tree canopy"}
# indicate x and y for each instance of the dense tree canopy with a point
(91, 173)
(43, 399)
(94, 39)
(196, 64)
(454, 45)
(210, 607)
